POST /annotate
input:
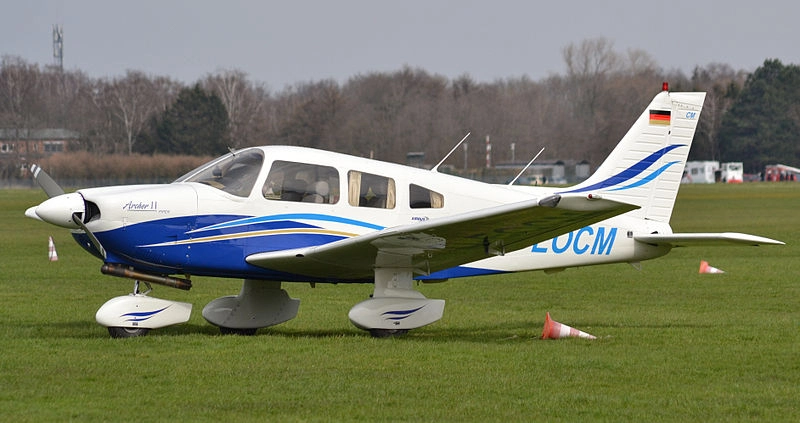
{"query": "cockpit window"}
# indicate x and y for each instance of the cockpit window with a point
(235, 173)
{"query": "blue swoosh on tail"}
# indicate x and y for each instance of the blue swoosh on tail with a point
(631, 172)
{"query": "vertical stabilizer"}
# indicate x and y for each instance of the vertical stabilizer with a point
(647, 165)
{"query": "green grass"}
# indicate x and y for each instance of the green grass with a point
(673, 345)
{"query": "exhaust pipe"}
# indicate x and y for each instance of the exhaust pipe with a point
(124, 272)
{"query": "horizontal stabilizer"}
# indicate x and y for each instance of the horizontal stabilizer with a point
(697, 239)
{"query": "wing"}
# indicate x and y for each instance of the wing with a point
(694, 239)
(442, 243)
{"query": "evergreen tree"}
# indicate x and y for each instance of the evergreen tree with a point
(196, 124)
(762, 125)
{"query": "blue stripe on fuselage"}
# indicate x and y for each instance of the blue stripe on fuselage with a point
(173, 245)
(290, 217)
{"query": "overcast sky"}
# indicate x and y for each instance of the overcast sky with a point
(282, 43)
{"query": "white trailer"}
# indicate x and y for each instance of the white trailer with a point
(731, 173)
(700, 172)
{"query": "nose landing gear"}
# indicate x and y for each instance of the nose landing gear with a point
(135, 314)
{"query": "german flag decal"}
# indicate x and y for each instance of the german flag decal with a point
(659, 117)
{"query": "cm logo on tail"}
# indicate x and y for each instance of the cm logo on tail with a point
(586, 240)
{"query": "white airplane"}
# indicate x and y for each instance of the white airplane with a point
(278, 214)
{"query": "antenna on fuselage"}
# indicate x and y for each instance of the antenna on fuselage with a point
(436, 168)
(526, 167)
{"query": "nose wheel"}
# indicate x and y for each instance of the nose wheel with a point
(118, 332)
(128, 332)
(135, 314)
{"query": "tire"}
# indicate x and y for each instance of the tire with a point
(118, 332)
(387, 333)
(240, 332)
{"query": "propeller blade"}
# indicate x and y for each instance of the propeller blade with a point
(47, 183)
(76, 217)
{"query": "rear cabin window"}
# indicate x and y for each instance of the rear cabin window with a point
(369, 190)
(423, 198)
(302, 182)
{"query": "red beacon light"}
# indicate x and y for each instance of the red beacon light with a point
(665, 86)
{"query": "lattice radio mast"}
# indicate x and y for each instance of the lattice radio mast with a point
(58, 46)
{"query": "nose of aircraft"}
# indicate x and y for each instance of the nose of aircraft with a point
(58, 210)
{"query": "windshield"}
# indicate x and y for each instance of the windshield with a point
(234, 173)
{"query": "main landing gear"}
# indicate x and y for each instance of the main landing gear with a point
(395, 306)
(259, 304)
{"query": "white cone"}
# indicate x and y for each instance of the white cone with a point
(555, 330)
(706, 268)
(51, 247)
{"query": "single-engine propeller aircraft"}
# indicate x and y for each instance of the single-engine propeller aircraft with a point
(278, 214)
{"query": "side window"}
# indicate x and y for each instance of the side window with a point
(368, 190)
(291, 181)
(423, 198)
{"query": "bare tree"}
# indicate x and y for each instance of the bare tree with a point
(165, 91)
(639, 62)
(313, 116)
(722, 85)
(130, 100)
(18, 92)
(591, 58)
(19, 99)
(244, 102)
(607, 90)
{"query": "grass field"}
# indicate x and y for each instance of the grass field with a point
(673, 345)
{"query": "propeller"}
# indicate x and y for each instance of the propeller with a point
(76, 217)
(47, 183)
(65, 210)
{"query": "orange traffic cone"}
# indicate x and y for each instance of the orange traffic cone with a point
(705, 268)
(51, 250)
(555, 330)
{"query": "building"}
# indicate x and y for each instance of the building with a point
(559, 172)
(37, 142)
(20, 147)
